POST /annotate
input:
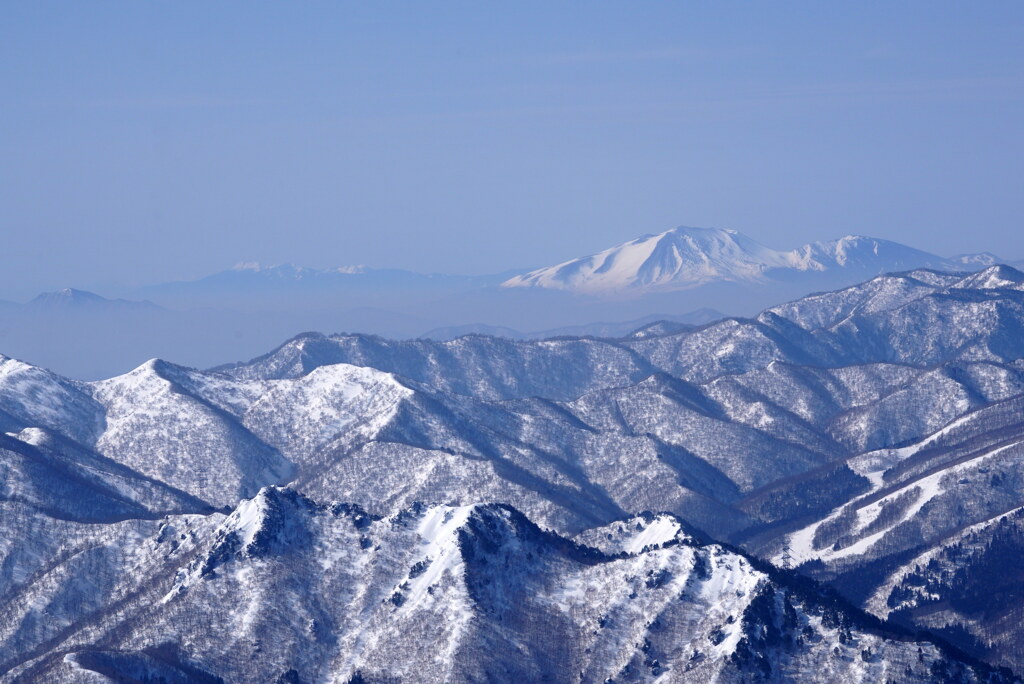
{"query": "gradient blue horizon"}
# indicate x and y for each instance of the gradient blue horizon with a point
(146, 142)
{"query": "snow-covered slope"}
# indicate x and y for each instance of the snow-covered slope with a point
(153, 424)
(969, 589)
(52, 474)
(679, 258)
(34, 397)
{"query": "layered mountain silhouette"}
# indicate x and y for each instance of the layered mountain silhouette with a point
(686, 276)
(446, 499)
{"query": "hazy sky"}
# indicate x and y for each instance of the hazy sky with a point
(149, 141)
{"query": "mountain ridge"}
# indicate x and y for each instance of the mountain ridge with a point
(434, 591)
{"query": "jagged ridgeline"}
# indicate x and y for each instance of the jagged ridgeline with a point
(491, 492)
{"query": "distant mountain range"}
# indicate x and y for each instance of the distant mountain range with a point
(686, 276)
(679, 259)
(89, 336)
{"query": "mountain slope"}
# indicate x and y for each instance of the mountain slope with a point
(48, 472)
(149, 411)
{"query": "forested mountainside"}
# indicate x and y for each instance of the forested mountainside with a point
(870, 438)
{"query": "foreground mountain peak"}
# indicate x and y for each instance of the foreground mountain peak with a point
(289, 589)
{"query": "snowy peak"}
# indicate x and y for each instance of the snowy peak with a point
(638, 534)
(269, 519)
(676, 259)
(444, 528)
(275, 520)
(994, 277)
(971, 261)
(862, 254)
(66, 297)
(35, 397)
(154, 375)
(686, 258)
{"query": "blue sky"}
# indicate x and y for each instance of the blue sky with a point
(144, 142)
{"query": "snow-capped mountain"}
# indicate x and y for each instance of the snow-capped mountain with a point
(869, 437)
(70, 299)
(686, 258)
